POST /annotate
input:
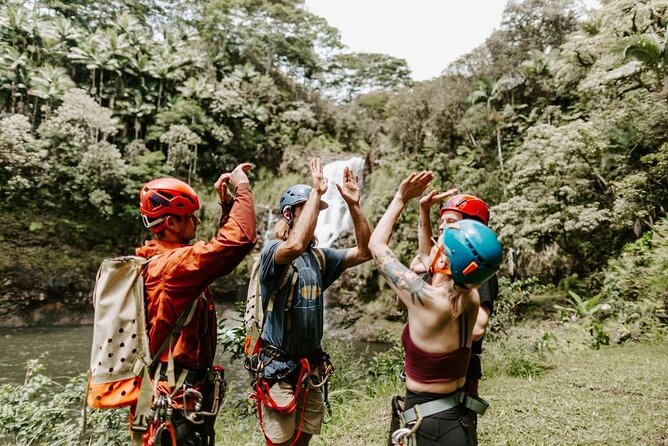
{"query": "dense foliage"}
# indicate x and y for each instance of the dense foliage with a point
(558, 121)
(98, 97)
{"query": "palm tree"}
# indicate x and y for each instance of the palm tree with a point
(49, 83)
(58, 34)
(136, 108)
(649, 52)
(101, 52)
(14, 74)
(489, 93)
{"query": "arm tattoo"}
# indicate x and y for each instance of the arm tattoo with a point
(401, 277)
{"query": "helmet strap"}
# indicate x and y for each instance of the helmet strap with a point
(152, 224)
(433, 269)
(291, 220)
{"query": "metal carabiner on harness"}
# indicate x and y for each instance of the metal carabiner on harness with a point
(195, 416)
(404, 433)
(399, 435)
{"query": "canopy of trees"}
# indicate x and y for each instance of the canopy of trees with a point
(559, 120)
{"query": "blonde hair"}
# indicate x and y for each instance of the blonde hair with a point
(460, 299)
(281, 230)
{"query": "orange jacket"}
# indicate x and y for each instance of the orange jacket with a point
(184, 272)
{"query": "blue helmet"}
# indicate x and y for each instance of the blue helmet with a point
(295, 195)
(473, 250)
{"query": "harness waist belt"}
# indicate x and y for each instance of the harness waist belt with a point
(434, 407)
(476, 404)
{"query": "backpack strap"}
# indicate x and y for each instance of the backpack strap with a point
(289, 269)
(290, 275)
(320, 258)
(182, 321)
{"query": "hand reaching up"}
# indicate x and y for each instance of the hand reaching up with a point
(319, 181)
(349, 190)
(235, 178)
(414, 185)
(433, 197)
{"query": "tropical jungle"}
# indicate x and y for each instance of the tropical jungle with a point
(559, 121)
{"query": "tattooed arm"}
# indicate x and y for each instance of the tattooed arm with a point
(409, 287)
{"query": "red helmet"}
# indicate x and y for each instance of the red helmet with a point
(167, 196)
(470, 206)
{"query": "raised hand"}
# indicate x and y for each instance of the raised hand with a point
(319, 181)
(432, 197)
(350, 189)
(414, 185)
(221, 187)
(238, 175)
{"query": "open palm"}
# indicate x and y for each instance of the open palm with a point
(350, 189)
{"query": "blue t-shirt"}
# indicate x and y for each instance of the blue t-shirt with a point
(306, 328)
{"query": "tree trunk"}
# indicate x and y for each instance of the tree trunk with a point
(13, 97)
(92, 82)
(137, 127)
(498, 147)
(159, 96)
(99, 93)
(34, 113)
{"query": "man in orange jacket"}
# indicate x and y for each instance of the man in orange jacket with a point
(176, 286)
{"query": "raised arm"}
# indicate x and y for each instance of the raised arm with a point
(237, 234)
(425, 240)
(350, 192)
(424, 229)
(410, 288)
(302, 232)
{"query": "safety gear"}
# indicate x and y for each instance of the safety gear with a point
(433, 268)
(165, 196)
(255, 315)
(295, 195)
(470, 206)
(473, 250)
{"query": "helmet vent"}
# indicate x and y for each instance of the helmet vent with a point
(158, 200)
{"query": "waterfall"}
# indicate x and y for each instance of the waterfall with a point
(336, 219)
(271, 221)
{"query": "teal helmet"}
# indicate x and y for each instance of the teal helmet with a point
(473, 250)
(296, 194)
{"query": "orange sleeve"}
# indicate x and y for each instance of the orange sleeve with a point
(198, 265)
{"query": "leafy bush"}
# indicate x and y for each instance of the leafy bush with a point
(635, 284)
(513, 295)
(43, 411)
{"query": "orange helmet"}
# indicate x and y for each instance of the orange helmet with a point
(166, 196)
(470, 206)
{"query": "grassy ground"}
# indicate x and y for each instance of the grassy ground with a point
(613, 396)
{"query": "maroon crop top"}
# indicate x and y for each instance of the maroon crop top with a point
(427, 368)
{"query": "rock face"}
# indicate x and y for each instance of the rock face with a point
(38, 288)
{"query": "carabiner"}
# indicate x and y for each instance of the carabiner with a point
(399, 435)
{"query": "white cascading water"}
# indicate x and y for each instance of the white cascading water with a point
(336, 219)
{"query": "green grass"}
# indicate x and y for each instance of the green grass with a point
(613, 396)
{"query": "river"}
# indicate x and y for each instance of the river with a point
(65, 353)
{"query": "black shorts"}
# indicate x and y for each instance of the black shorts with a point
(451, 427)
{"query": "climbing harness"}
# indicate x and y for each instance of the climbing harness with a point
(412, 418)
(405, 436)
(217, 376)
(186, 397)
(308, 377)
